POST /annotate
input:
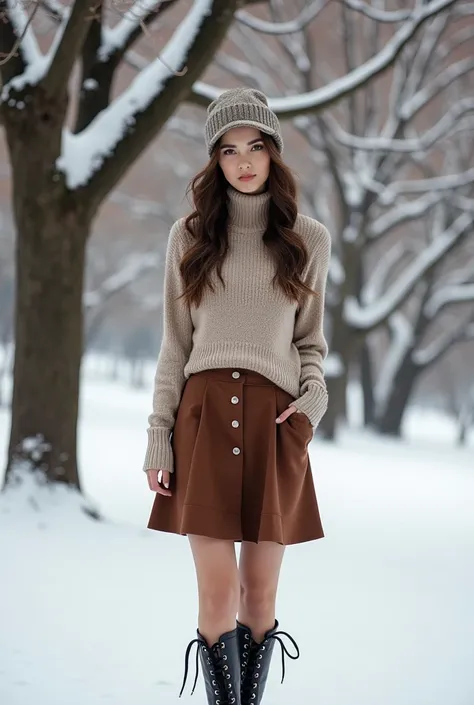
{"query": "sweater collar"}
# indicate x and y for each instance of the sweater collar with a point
(247, 212)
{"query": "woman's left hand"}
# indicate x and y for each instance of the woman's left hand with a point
(290, 410)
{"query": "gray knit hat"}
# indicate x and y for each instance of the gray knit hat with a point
(238, 107)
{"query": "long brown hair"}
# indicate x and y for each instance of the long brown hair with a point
(208, 226)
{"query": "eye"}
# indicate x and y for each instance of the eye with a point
(258, 147)
(227, 151)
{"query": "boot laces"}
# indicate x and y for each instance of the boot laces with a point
(219, 672)
(255, 654)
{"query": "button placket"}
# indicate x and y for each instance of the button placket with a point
(235, 422)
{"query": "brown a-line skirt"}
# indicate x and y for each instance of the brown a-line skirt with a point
(238, 475)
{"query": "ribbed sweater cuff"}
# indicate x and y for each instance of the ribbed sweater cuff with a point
(159, 453)
(313, 403)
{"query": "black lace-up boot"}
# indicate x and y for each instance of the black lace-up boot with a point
(221, 668)
(255, 660)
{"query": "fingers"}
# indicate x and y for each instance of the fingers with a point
(284, 415)
(157, 481)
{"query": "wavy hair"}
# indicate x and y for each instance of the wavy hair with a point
(208, 226)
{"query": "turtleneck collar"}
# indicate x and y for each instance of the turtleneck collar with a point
(247, 212)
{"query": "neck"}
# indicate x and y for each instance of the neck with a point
(247, 212)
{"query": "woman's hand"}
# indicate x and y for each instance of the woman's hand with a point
(290, 410)
(154, 481)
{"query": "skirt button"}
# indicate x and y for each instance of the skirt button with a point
(235, 423)
(235, 400)
(236, 375)
(236, 451)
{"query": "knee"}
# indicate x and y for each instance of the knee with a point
(219, 598)
(257, 597)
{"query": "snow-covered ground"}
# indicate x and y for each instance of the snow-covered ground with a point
(101, 612)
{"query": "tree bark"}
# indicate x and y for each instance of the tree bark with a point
(52, 229)
(389, 421)
(367, 383)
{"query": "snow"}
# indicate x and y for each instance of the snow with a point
(381, 608)
(84, 153)
(36, 64)
(21, 23)
(116, 37)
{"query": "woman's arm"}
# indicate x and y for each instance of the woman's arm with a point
(308, 333)
(174, 353)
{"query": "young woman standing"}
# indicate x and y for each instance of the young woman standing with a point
(239, 390)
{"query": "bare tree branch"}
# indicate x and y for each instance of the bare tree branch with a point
(305, 17)
(68, 44)
(321, 98)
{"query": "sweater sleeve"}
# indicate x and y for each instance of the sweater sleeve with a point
(174, 353)
(308, 333)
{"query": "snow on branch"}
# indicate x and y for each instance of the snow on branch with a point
(443, 80)
(454, 294)
(402, 212)
(117, 37)
(263, 26)
(377, 281)
(67, 44)
(21, 23)
(367, 318)
(435, 350)
(375, 14)
(84, 153)
(418, 144)
(136, 267)
(293, 106)
(388, 194)
(402, 337)
(19, 40)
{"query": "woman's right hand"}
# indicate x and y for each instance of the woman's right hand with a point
(155, 485)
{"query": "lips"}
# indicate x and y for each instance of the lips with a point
(247, 177)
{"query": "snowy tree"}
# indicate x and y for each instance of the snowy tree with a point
(377, 154)
(63, 167)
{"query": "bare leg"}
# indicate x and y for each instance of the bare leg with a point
(259, 568)
(218, 585)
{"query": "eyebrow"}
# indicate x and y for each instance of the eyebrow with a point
(259, 139)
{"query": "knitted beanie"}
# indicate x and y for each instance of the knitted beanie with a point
(238, 107)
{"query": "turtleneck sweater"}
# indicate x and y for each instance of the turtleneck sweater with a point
(250, 324)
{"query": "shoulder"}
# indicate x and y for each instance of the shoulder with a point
(315, 234)
(179, 238)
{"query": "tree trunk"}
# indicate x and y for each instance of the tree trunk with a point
(48, 349)
(52, 230)
(367, 383)
(389, 420)
(336, 386)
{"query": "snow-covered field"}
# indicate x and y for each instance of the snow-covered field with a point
(382, 607)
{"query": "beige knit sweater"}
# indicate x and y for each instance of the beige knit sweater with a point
(250, 324)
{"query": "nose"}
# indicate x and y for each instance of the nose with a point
(244, 166)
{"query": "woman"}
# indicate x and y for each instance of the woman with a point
(240, 385)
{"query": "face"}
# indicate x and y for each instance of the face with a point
(244, 159)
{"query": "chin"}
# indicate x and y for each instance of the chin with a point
(250, 187)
